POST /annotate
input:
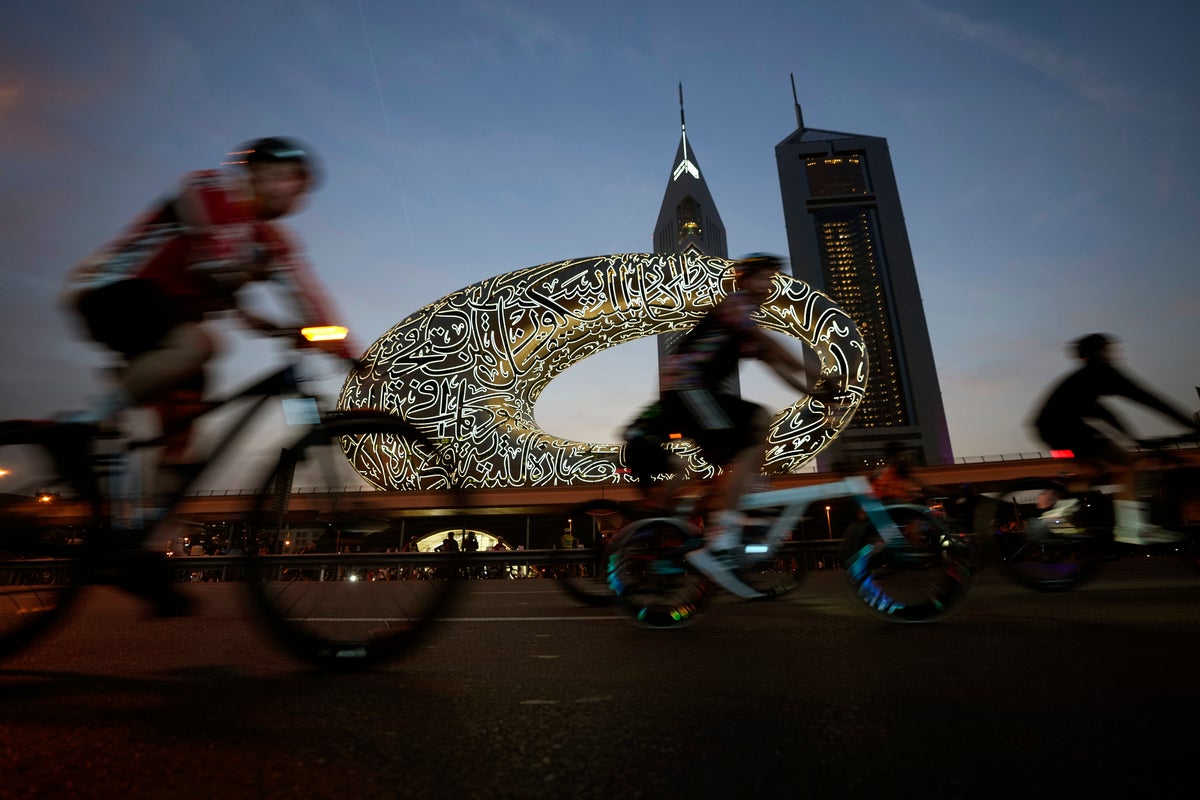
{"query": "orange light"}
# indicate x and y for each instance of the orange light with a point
(675, 436)
(324, 333)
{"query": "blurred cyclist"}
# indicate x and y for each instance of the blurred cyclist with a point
(1067, 421)
(146, 295)
(730, 431)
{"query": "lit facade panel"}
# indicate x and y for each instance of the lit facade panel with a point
(855, 281)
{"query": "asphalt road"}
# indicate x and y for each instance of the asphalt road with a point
(523, 694)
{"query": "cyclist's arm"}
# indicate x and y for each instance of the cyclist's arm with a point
(786, 365)
(310, 303)
(1138, 394)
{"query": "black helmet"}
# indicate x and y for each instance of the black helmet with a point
(758, 261)
(1093, 343)
(277, 150)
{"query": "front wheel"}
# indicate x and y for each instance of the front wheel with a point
(356, 599)
(1045, 537)
(48, 511)
(922, 579)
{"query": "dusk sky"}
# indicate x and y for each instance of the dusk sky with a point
(1046, 155)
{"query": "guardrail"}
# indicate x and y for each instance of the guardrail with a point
(340, 566)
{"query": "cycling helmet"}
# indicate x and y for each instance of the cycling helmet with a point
(277, 150)
(758, 261)
(1093, 343)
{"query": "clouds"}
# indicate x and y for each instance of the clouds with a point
(1075, 73)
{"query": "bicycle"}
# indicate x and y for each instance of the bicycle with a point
(900, 563)
(77, 518)
(1071, 549)
(772, 575)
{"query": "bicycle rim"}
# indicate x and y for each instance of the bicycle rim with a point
(924, 580)
(1048, 558)
(360, 602)
(651, 582)
(44, 520)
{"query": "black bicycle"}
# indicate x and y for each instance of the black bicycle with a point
(1054, 534)
(72, 513)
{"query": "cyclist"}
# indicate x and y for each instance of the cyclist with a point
(146, 295)
(1067, 421)
(730, 431)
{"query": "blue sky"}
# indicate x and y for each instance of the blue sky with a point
(1044, 152)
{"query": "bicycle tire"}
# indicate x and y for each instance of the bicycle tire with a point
(347, 611)
(1038, 557)
(925, 580)
(590, 586)
(46, 518)
(651, 582)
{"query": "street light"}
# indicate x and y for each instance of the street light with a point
(828, 522)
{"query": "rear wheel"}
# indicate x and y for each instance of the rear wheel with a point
(1051, 554)
(357, 600)
(45, 517)
(649, 578)
(924, 579)
(599, 521)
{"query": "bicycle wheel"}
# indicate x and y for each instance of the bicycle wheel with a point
(923, 580)
(1052, 555)
(357, 602)
(587, 581)
(45, 516)
(651, 582)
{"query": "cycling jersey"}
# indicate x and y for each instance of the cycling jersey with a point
(173, 251)
(692, 401)
(710, 352)
(1062, 420)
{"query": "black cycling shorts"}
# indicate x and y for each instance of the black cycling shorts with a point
(720, 424)
(130, 316)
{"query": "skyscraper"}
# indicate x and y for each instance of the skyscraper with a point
(688, 221)
(847, 238)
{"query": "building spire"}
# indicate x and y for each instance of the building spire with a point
(683, 162)
(682, 122)
(795, 100)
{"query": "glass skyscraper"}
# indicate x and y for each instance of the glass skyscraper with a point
(847, 238)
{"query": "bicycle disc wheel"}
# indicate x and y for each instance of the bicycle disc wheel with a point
(651, 582)
(45, 515)
(921, 581)
(357, 601)
(587, 581)
(1050, 557)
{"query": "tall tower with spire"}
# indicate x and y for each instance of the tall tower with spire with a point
(688, 221)
(847, 237)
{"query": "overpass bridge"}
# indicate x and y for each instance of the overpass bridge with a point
(534, 517)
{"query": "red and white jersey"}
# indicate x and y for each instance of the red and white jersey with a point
(209, 224)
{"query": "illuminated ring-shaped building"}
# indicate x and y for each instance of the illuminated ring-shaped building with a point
(469, 368)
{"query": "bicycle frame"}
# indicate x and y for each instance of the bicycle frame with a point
(283, 383)
(795, 502)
